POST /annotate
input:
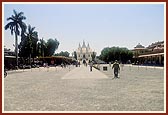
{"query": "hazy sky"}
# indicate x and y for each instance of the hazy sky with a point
(100, 25)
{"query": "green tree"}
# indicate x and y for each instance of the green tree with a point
(28, 44)
(16, 25)
(47, 48)
(32, 42)
(116, 53)
(50, 47)
(66, 54)
(23, 52)
(105, 54)
(41, 46)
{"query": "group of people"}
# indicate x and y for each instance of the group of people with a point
(115, 66)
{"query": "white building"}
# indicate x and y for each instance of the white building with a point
(84, 53)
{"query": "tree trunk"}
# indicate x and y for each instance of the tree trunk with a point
(30, 59)
(16, 49)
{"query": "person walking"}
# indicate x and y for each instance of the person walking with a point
(91, 65)
(79, 63)
(116, 69)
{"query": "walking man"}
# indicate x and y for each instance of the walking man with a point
(116, 69)
(91, 65)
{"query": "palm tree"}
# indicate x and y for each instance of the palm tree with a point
(32, 39)
(15, 25)
(42, 47)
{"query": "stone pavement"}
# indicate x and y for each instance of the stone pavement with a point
(78, 89)
(84, 72)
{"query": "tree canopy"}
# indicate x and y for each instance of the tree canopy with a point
(28, 44)
(16, 24)
(65, 53)
(51, 46)
(109, 54)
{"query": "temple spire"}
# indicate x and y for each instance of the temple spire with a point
(83, 44)
(88, 46)
(79, 45)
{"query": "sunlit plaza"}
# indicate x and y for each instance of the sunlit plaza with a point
(78, 89)
(91, 57)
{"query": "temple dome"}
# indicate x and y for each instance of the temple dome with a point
(139, 46)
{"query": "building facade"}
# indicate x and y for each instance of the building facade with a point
(9, 59)
(84, 53)
(151, 55)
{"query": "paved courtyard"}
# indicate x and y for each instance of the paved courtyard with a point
(78, 89)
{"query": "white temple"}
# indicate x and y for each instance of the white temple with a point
(84, 53)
